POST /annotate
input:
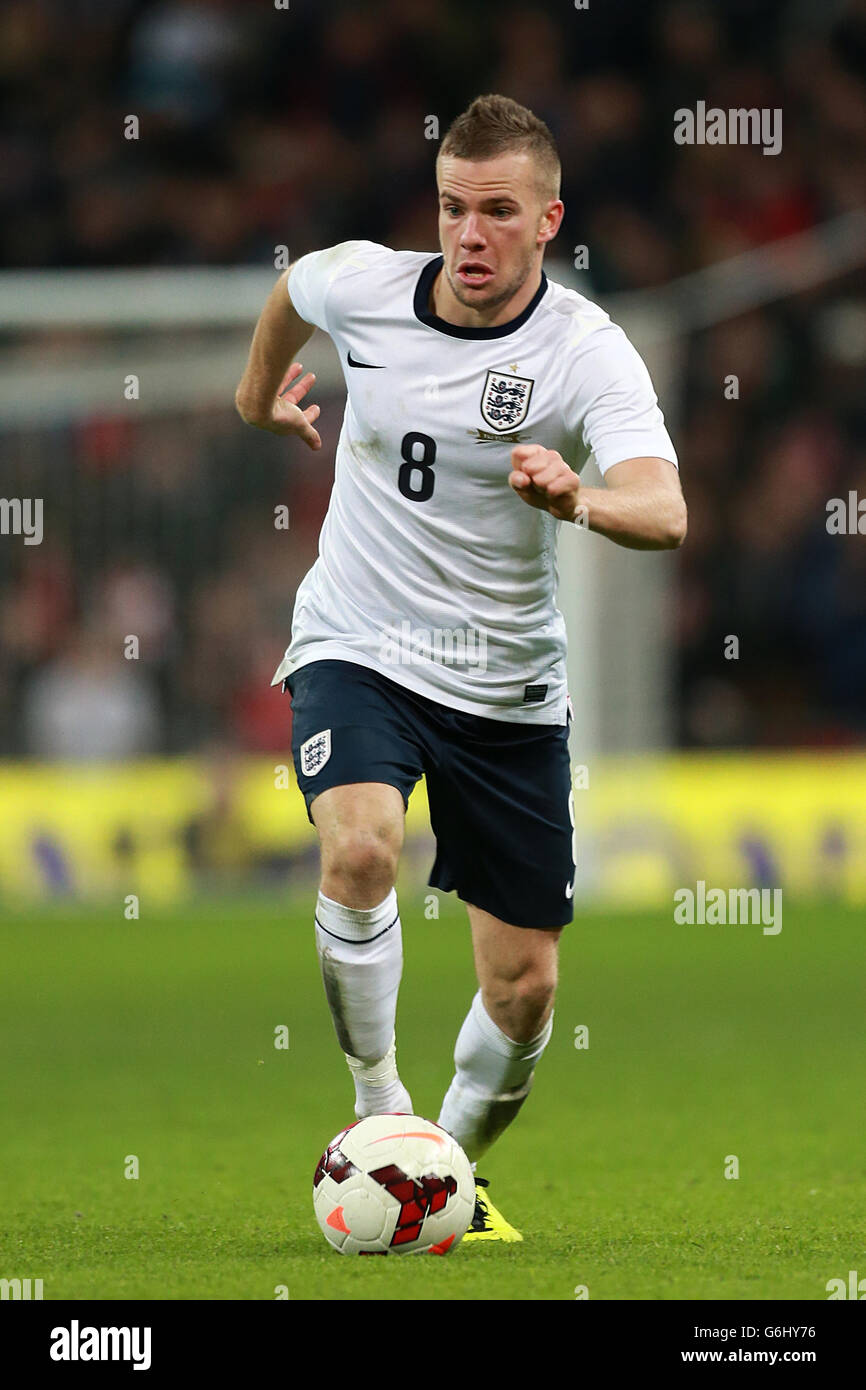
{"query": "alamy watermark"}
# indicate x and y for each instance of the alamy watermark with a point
(22, 516)
(846, 516)
(855, 1287)
(405, 645)
(77, 1343)
(20, 1289)
(737, 126)
(732, 906)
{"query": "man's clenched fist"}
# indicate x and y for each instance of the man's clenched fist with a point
(543, 479)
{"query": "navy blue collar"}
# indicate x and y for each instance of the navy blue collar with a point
(424, 313)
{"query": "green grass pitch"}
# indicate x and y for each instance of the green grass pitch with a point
(155, 1038)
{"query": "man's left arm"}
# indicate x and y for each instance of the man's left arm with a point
(641, 504)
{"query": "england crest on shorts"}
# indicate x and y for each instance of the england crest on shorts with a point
(315, 753)
(505, 400)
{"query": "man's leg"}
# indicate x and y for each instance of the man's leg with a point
(358, 933)
(505, 1032)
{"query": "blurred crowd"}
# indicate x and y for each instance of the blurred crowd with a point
(156, 609)
(260, 126)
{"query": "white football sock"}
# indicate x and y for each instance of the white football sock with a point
(493, 1078)
(361, 957)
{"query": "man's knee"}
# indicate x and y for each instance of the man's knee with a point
(520, 1003)
(361, 857)
(361, 834)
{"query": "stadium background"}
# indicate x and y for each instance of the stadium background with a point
(261, 130)
(168, 776)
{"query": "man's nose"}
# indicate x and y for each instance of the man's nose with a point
(472, 233)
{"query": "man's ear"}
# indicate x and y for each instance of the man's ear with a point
(551, 220)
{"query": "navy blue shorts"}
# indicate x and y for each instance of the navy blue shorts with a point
(499, 793)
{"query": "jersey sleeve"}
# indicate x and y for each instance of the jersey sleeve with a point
(311, 277)
(612, 407)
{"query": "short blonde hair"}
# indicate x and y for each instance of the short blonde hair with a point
(495, 125)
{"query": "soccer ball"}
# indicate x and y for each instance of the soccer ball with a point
(393, 1185)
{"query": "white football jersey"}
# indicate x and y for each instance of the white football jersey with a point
(431, 569)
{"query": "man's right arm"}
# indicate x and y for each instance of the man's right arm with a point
(273, 383)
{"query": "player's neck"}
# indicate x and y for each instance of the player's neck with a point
(445, 304)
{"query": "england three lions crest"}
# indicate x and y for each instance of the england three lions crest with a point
(315, 753)
(505, 400)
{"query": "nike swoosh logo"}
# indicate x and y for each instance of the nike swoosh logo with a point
(412, 1134)
(371, 365)
(569, 890)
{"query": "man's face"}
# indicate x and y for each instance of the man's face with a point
(493, 225)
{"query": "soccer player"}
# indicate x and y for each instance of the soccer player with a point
(426, 637)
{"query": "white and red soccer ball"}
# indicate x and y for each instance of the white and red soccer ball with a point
(394, 1185)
